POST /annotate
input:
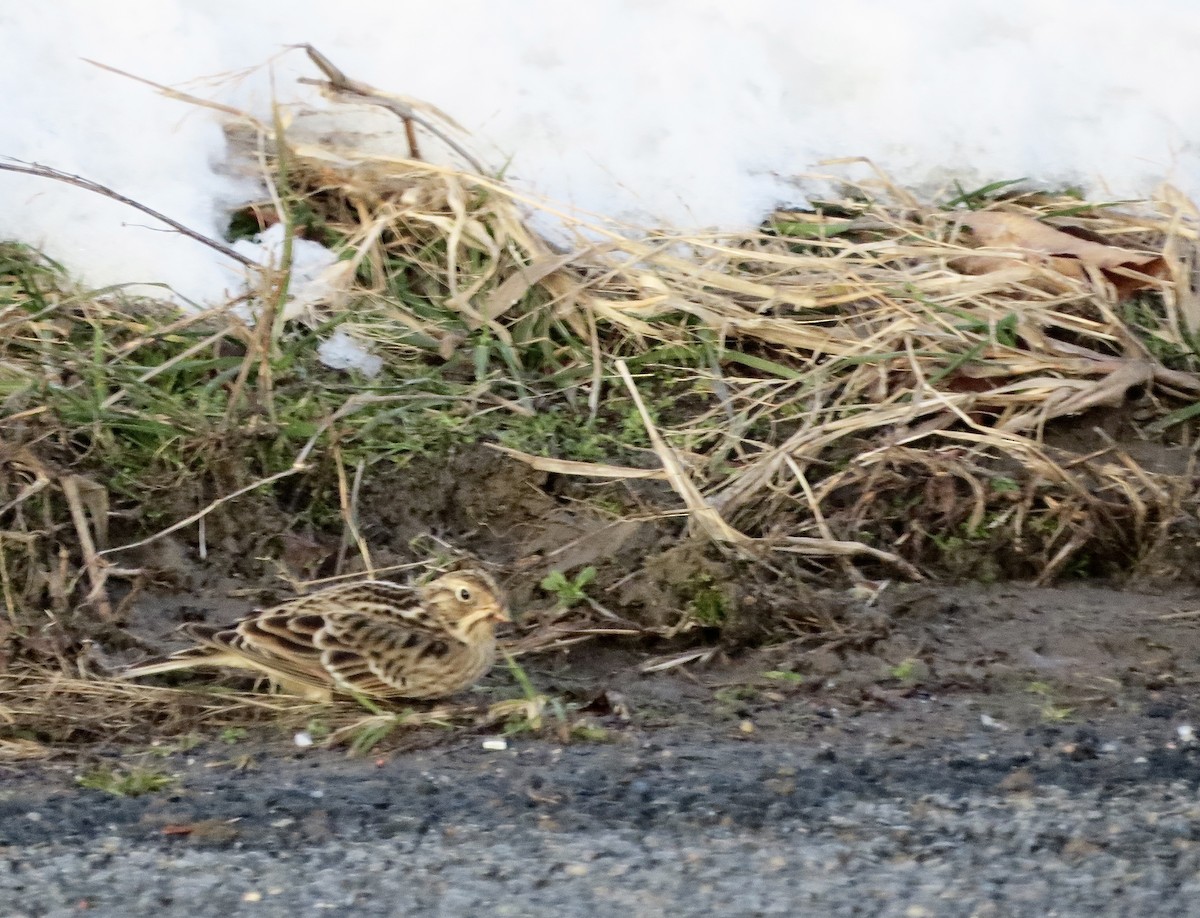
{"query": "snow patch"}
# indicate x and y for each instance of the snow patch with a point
(689, 114)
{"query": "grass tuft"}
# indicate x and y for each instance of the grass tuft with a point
(134, 782)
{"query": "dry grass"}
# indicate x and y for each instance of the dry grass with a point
(44, 714)
(868, 377)
(867, 386)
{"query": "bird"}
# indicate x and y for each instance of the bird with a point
(377, 639)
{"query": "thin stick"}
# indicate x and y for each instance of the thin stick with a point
(16, 165)
(705, 516)
(814, 507)
(348, 500)
(355, 489)
(302, 585)
(175, 527)
(97, 569)
(10, 605)
(344, 503)
(800, 545)
(575, 467)
(338, 84)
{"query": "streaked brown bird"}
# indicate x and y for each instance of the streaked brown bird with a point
(377, 638)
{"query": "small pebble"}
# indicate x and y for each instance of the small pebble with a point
(1186, 733)
(303, 739)
(495, 744)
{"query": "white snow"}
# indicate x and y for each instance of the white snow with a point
(342, 352)
(315, 270)
(684, 113)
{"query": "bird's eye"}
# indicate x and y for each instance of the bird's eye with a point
(464, 595)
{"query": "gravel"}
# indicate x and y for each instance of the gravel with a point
(702, 825)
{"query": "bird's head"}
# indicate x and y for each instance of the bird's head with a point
(466, 599)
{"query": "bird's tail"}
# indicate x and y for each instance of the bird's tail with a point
(204, 655)
(185, 659)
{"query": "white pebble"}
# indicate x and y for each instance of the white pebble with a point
(495, 745)
(303, 739)
(1186, 733)
(990, 723)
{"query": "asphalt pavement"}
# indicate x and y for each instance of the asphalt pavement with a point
(1047, 822)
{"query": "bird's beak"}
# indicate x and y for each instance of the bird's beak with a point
(501, 615)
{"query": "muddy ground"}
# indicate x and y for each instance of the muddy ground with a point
(907, 661)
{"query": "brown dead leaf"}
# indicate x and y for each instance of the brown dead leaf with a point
(963, 381)
(941, 494)
(203, 831)
(448, 344)
(1068, 255)
(516, 285)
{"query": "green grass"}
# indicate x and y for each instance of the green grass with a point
(569, 591)
(707, 603)
(150, 410)
(1048, 707)
(131, 783)
(1145, 316)
(978, 198)
(590, 733)
(908, 670)
(375, 731)
(187, 425)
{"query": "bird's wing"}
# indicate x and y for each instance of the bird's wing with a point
(383, 654)
(381, 596)
(272, 640)
(365, 636)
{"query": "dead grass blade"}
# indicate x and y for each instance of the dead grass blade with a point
(705, 517)
(65, 714)
(582, 469)
(97, 573)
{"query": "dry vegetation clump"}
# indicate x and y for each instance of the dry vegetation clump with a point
(42, 712)
(911, 385)
(1004, 384)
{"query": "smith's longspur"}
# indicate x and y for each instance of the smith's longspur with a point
(376, 638)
